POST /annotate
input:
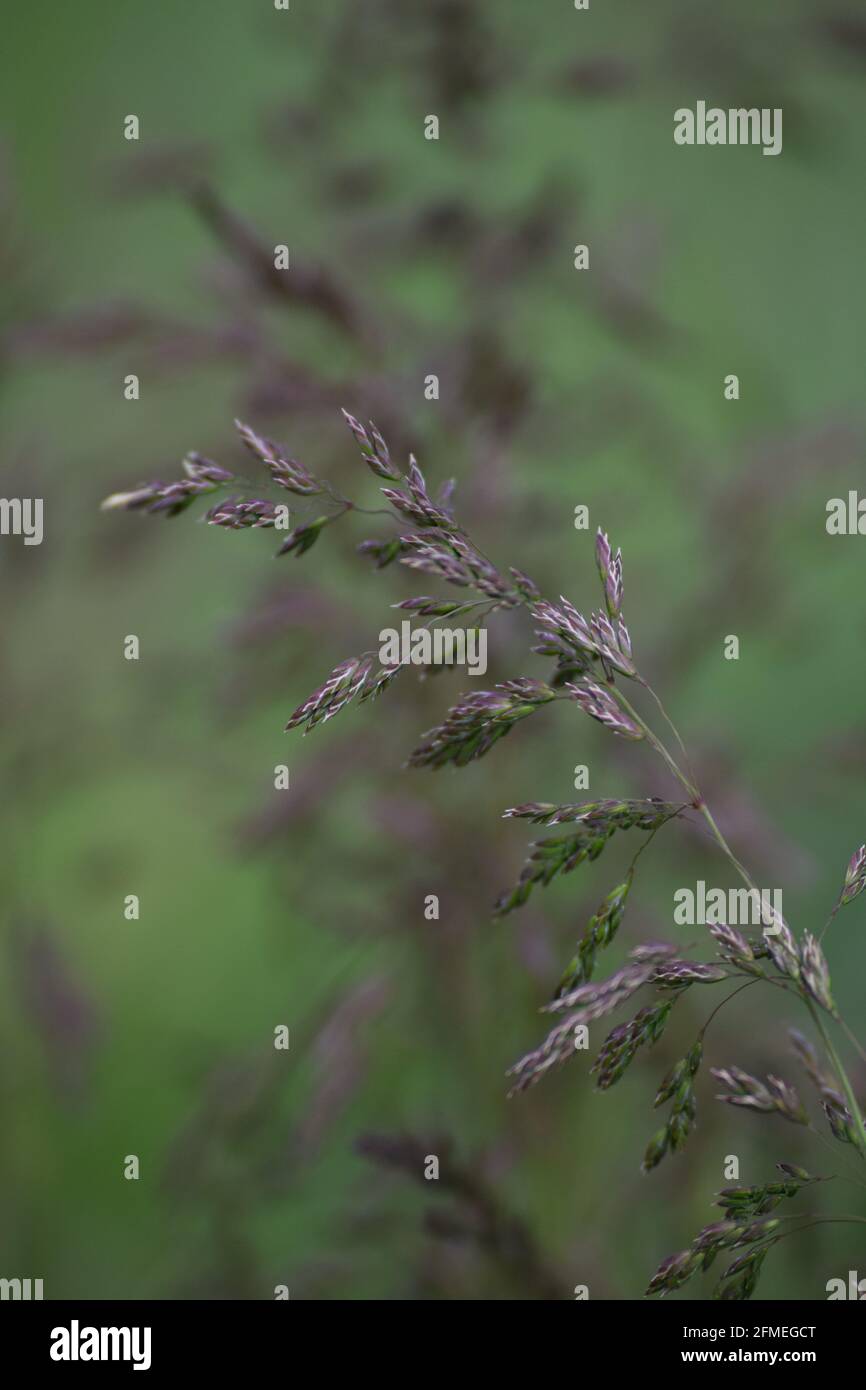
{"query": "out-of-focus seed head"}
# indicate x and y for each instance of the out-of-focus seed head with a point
(673, 1272)
(286, 473)
(610, 571)
(374, 450)
(299, 541)
(815, 973)
(360, 676)
(840, 1120)
(782, 947)
(733, 945)
(479, 720)
(855, 876)
(773, 1096)
(597, 702)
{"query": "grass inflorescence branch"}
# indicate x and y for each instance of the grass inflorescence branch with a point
(593, 664)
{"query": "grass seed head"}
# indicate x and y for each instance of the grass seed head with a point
(815, 973)
(772, 1096)
(855, 876)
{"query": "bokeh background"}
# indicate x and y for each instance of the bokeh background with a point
(305, 907)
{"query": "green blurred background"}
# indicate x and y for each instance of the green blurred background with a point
(558, 387)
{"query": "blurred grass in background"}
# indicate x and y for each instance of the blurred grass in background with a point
(558, 388)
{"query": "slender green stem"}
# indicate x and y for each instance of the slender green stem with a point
(671, 725)
(373, 511)
(695, 795)
(829, 921)
(824, 1221)
(723, 844)
(725, 1001)
(853, 1106)
(652, 834)
(853, 1039)
(834, 1150)
(813, 1216)
(655, 742)
(700, 805)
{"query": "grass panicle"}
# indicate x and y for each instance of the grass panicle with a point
(593, 666)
